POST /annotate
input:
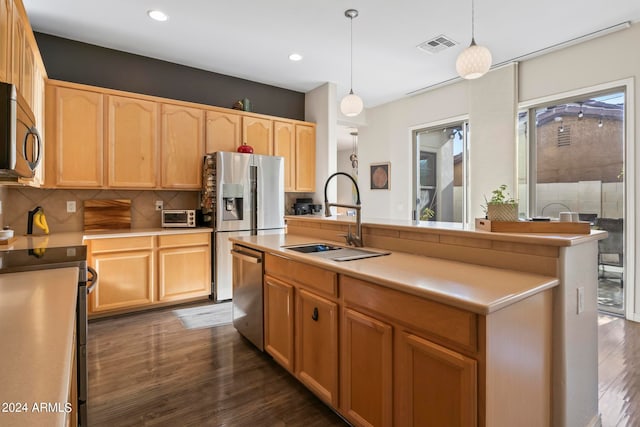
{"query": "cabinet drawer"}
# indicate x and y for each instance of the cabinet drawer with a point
(313, 277)
(121, 244)
(196, 239)
(443, 323)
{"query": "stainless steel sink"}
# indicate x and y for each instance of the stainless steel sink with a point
(335, 253)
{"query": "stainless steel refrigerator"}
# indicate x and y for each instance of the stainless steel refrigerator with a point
(243, 195)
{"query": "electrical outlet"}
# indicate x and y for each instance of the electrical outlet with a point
(580, 299)
(159, 205)
(71, 206)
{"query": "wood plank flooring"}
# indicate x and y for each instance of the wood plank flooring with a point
(148, 370)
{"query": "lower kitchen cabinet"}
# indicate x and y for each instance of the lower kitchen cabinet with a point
(184, 271)
(366, 369)
(435, 386)
(278, 321)
(144, 271)
(317, 345)
(125, 280)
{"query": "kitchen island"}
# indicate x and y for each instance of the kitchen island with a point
(506, 303)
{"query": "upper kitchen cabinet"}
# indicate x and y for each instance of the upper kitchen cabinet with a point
(74, 143)
(305, 158)
(132, 135)
(182, 142)
(297, 144)
(17, 49)
(223, 131)
(258, 133)
(6, 31)
(284, 145)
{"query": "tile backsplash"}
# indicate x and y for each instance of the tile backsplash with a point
(18, 201)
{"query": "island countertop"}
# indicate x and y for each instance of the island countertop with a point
(476, 288)
(37, 328)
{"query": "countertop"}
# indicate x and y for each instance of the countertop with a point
(37, 327)
(55, 240)
(479, 289)
(458, 229)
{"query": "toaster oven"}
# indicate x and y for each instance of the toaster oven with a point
(179, 218)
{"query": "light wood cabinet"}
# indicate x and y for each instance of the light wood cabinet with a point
(223, 131)
(305, 158)
(132, 135)
(182, 141)
(184, 266)
(366, 369)
(27, 72)
(125, 267)
(317, 345)
(278, 321)
(436, 386)
(6, 32)
(284, 145)
(17, 49)
(146, 271)
(74, 144)
(258, 133)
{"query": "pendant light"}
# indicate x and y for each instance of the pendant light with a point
(475, 60)
(351, 105)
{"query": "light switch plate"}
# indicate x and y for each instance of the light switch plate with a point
(159, 205)
(71, 206)
(580, 299)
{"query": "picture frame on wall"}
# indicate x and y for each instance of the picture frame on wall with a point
(380, 176)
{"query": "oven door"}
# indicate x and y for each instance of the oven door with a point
(85, 287)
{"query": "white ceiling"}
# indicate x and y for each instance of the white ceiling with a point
(253, 39)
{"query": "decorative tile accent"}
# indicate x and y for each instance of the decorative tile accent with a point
(18, 201)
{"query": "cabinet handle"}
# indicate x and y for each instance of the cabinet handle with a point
(314, 316)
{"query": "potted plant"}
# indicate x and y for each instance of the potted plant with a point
(502, 206)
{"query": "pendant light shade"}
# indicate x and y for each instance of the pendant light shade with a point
(351, 105)
(475, 60)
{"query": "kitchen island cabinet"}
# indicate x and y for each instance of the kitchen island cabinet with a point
(421, 341)
(278, 321)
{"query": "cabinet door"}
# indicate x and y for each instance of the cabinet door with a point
(224, 132)
(317, 345)
(184, 273)
(125, 280)
(258, 133)
(17, 51)
(366, 394)
(132, 135)
(182, 146)
(305, 158)
(74, 143)
(6, 72)
(435, 386)
(284, 145)
(278, 321)
(26, 76)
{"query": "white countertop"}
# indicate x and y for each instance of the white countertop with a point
(37, 329)
(471, 287)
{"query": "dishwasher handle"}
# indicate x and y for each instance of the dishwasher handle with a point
(246, 257)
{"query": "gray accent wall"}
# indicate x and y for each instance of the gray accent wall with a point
(84, 63)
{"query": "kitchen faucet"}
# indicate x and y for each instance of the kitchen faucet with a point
(352, 239)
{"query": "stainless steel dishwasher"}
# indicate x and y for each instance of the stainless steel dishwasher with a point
(247, 294)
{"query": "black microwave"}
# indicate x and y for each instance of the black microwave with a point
(20, 142)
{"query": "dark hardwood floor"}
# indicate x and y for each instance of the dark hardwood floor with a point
(149, 370)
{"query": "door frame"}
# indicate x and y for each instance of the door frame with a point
(632, 287)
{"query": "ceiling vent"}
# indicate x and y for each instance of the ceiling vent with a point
(437, 44)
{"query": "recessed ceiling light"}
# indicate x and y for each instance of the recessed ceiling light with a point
(157, 15)
(295, 57)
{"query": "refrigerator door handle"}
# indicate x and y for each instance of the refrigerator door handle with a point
(246, 257)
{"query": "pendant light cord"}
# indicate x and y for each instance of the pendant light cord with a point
(473, 32)
(351, 78)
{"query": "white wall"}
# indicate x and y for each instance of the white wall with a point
(345, 187)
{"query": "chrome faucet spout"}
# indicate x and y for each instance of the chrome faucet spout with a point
(352, 239)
